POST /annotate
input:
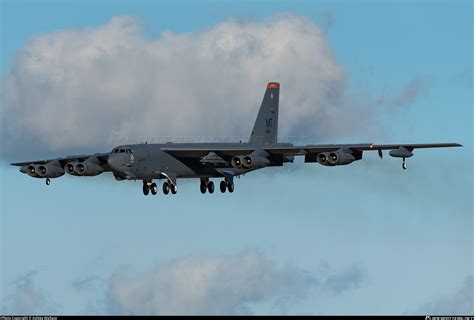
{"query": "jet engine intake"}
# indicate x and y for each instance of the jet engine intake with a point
(322, 158)
(49, 170)
(340, 157)
(69, 168)
(31, 170)
(255, 161)
(237, 161)
(87, 169)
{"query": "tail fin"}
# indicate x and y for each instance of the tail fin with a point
(265, 129)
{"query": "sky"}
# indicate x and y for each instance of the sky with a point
(366, 238)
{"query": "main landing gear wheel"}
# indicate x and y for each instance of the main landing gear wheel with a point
(154, 188)
(146, 189)
(230, 186)
(210, 187)
(203, 187)
(404, 164)
(174, 189)
(48, 181)
(223, 186)
(166, 188)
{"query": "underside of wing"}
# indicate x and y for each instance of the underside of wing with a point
(102, 157)
(82, 165)
(227, 153)
(314, 149)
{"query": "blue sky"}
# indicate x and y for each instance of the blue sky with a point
(374, 239)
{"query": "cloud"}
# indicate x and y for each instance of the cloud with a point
(90, 89)
(225, 285)
(459, 303)
(407, 95)
(27, 298)
(350, 278)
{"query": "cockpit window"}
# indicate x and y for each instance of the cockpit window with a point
(122, 150)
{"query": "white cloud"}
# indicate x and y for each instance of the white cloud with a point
(224, 285)
(92, 88)
(202, 286)
(411, 92)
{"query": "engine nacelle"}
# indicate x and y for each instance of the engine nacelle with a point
(255, 161)
(31, 170)
(87, 169)
(69, 168)
(49, 170)
(237, 162)
(340, 157)
(322, 158)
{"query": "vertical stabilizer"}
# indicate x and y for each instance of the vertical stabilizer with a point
(265, 129)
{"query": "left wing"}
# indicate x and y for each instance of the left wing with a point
(297, 150)
(252, 157)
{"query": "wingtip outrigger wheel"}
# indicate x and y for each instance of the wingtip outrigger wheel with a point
(48, 181)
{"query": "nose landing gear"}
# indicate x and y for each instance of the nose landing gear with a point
(48, 181)
(404, 164)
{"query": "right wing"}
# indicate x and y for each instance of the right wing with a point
(102, 157)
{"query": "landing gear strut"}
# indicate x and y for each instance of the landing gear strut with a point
(48, 181)
(404, 164)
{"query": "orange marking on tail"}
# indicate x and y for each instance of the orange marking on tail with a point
(273, 85)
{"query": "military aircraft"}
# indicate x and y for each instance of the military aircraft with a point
(173, 161)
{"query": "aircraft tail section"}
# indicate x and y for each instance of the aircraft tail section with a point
(265, 129)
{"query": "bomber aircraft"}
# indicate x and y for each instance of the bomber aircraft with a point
(173, 161)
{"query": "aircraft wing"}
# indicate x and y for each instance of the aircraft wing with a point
(102, 157)
(311, 149)
(296, 150)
